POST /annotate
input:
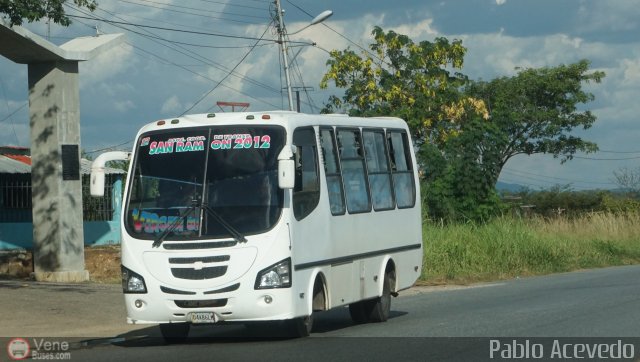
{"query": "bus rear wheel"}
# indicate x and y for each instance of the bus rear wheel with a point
(374, 310)
(378, 309)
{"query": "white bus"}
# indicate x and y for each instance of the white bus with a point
(249, 217)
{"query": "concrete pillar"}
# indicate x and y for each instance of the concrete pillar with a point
(54, 104)
(54, 111)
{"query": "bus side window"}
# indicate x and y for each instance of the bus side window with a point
(379, 169)
(402, 169)
(306, 193)
(353, 171)
(332, 171)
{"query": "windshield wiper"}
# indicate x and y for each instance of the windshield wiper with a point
(237, 236)
(180, 221)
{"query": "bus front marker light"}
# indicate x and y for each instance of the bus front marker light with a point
(268, 299)
(138, 303)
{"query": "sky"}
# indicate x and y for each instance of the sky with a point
(184, 56)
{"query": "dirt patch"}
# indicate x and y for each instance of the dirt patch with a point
(102, 262)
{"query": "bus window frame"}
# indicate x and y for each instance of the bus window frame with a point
(364, 168)
(389, 172)
(408, 160)
(336, 155)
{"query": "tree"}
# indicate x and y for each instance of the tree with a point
(34, 10)
(466, 131)
(536, 110)
(628, 179)
(404, 79)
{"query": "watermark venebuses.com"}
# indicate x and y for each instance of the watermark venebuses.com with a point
(560, 349)
(38, 349)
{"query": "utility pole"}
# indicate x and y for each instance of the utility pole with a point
(298, 89)
(282, 40)
(282, 32)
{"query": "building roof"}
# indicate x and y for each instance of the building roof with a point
(9, 165)
(22, 164)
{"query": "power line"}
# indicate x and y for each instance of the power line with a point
(112, 22)
(162, 22)
(110, 147)
(13, 127)
(198, 9)
(228, 74)
(236, 5)
(341, 35)
(205, 61)
(190, 13)
(606, 151)
(14, 112)
(607, 159)
(165, 61)
(517, 172)
(193, 55)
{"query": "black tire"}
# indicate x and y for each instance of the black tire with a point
(299, 327)
(175, 332)
(378, 309)
(358, 312)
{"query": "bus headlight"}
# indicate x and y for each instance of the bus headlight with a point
(132, 282)
(276, 276)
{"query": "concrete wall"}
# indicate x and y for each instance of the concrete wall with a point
(19, 235)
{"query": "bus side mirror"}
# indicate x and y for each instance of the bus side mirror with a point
(286, 168)
(96, 185)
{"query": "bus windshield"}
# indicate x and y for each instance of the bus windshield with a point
(205, 183)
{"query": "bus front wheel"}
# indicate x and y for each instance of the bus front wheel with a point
(300, 327)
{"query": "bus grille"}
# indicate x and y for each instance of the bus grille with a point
(209, 303)
(199, 274)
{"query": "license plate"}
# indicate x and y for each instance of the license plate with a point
(202, 317)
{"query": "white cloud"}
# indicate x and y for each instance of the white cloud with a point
(609, 16)
(123, 106)
(106, 65)
(171, 106)
(501, 2)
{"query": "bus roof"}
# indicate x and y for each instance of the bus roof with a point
(286, 119)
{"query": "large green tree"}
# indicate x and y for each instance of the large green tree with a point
(537, 110)
(414, 81)
(466, 131)
(33, 10)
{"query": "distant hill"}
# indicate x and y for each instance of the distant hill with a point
(503, 186)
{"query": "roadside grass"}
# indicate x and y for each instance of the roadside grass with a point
(510, 247)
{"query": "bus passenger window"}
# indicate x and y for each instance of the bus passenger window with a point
(353, 171)
(306, 193)
(403, 181)
(379, 170)
(332, 170)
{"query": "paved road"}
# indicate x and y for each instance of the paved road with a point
(595, 303)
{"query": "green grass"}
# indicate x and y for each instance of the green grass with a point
(510, 247)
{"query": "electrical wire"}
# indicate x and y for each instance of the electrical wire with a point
(519, 173)
(110, 147)
(112, 22)
(194, 55)
(189, 70)
(229, 73)
(606, 159)
(186, 12)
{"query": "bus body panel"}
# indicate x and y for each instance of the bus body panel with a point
(348, 253)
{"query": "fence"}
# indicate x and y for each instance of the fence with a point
(15, 202)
